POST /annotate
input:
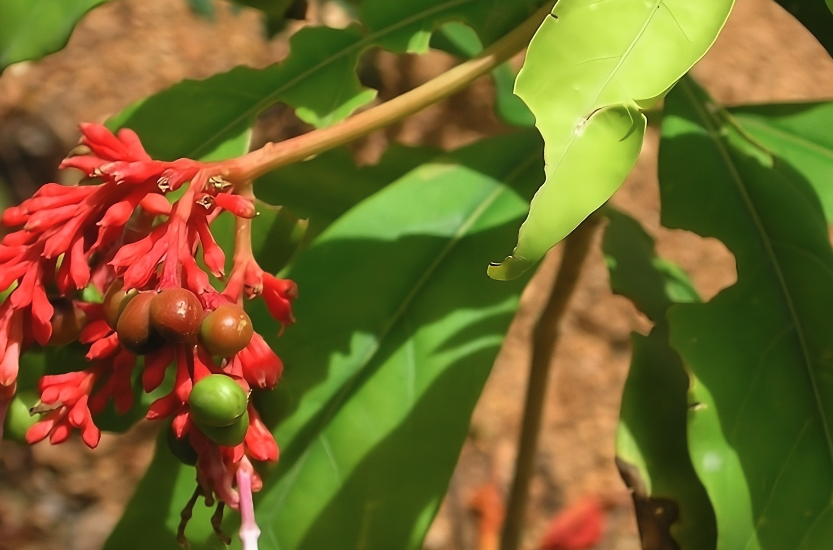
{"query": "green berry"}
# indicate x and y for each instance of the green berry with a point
(226, 330)
(228, 436)
(18, 420)
(217, 401)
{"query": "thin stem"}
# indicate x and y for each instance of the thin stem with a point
(544, 339)
(275, 155)
(249, 531)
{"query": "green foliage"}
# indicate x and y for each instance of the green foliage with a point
(211, 118)
(760, 351)
(319, 191)
(798, 133)
(651, 445)
(30, 29)
(397, 330)
(586, 94)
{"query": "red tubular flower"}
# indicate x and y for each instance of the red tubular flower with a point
(69, 393)
(258, 364)
(119, 226)
(279, 295)
(260, 444)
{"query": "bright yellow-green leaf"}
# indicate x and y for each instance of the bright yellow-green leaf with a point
(587, 56)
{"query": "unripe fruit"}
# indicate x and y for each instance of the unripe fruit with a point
(18, 420)
(67, 322)
(181, 448)
(133, 328)
(115, 300)
(228, 436)
(226, 330)
(176, 314)
(217, 401)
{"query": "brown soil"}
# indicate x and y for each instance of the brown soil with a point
(69, 497)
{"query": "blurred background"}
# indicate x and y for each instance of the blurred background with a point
(69, 497)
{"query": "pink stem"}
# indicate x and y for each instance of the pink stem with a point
(249, 531)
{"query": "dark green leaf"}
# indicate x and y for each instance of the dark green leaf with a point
(397, 330)
(652, 449)
(30, 29)
(800, 134)
(211, 118)
(761, 350)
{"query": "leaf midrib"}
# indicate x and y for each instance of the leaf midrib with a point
(338, 399)
(367, 41)
(736, 178)
(754, 122)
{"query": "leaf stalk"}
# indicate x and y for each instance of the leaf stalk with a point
(275, 155)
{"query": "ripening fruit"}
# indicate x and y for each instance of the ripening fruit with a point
(226, 330)
(228, 436)
(181, 448)
(67, 322)
(217, 401)
(18, 420)
(133, 327)
(115, 300)
(176, 314)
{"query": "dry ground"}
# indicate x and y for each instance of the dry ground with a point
(69, 497)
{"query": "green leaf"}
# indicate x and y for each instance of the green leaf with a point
(651, 447)
(762, 401)
(395, 337)
(798, 133)
(30, 29)
(816, 16)
(195, 118)
(318, 190)
(589, 70)
(324, 188)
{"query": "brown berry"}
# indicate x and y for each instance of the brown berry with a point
(133, 327)
(226, 330)
(176, 314)
(115, 300)
(67, 322)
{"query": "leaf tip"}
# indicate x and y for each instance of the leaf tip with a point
(511, 268)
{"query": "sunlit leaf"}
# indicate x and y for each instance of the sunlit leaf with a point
(397, 330)
(30, 29)
(589, 70)
(800, 134)
(760, 351)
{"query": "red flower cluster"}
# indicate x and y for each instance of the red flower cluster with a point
(119, 227)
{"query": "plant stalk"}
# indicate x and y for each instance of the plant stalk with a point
(544, 339)
(275, 155)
